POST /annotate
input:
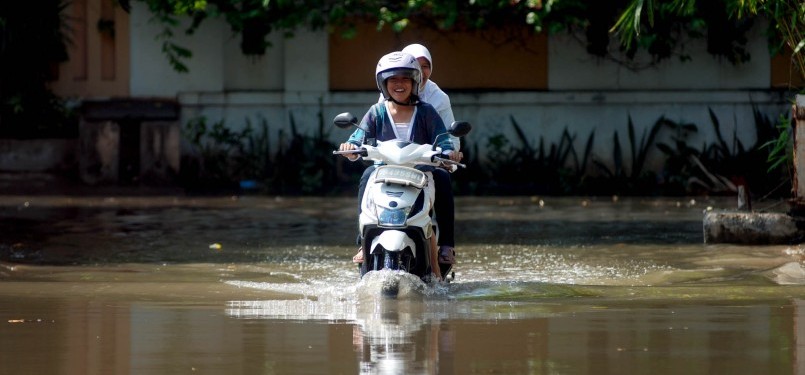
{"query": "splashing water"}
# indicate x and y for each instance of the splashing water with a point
(324, 299)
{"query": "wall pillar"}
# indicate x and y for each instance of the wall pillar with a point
(129, 142)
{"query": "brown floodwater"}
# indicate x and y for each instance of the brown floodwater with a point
(264, 285)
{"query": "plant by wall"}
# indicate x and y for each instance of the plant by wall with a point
(222, 160)
(780, 148)
(724, 21)
(520, 168)
(618, 177)
(746, 165)
(302, 164)
(679, 176)
(210, 164)
(516, 167)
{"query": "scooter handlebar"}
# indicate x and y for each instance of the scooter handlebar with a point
(360, 151)
(435, 158)
(445, 159)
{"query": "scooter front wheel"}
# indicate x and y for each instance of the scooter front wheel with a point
(393, 262)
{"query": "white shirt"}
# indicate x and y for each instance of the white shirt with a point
(402, 130)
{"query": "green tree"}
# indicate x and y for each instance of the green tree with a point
(786, 19)
(32, 42)
(254, 20)
(659, 27)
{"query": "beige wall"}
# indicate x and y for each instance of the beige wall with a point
(99, 56)
(784, 73)
(499, 59)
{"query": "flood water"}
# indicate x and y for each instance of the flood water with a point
(264, 285)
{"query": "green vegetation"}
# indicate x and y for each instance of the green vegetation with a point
(304, 165)
(222, 159)
(724, 22)
(659, 27)
(33, 40)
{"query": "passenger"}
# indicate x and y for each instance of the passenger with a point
(403, 116)
(431, 93)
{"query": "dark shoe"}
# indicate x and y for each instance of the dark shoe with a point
(447, 255)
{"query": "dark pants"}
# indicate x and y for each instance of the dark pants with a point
(443, 204)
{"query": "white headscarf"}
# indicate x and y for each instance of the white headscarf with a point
(419, 50)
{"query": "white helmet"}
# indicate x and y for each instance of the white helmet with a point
(418, 50)
(398, 64)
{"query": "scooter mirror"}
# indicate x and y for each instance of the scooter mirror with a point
(345, 120)
(460, 128)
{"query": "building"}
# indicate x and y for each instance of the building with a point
(546, 84)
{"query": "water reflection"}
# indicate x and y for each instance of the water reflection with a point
(104, 337)
(399, 336)
(99, 286)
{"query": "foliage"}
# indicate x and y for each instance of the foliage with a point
(677, 171)
(617, 180)
(524, 169)
(215, 147)
(722, 166)
(745, 165)
(726, 23)
(780, 147)
(304, 165)
(227, 161)
(32, 41)
(671, 23)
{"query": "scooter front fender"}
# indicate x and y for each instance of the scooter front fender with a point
(393, 240)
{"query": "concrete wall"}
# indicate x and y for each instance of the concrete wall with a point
(572, 68)
(38, 155)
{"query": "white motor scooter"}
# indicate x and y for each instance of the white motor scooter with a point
(397, 223)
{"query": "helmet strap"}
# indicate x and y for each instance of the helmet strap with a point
(412, 102)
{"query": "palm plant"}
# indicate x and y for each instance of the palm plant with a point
(786, 20)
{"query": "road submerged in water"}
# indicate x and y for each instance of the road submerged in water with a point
(254, 284)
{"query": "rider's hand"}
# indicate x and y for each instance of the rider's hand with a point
(346, 147)
(456, 156)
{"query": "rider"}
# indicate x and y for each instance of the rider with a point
(403, 116)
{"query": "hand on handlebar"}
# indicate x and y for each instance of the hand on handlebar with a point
(348, 147)
(449, 161)
(456, 156)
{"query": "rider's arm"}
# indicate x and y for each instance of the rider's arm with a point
(438, 130)
(445, 142)
(359, 136)
(356, 138)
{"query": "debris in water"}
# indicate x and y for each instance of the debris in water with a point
(13, 321)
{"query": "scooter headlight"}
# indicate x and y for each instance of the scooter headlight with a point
(393, 217)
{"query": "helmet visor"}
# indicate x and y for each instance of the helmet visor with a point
(407, 73)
